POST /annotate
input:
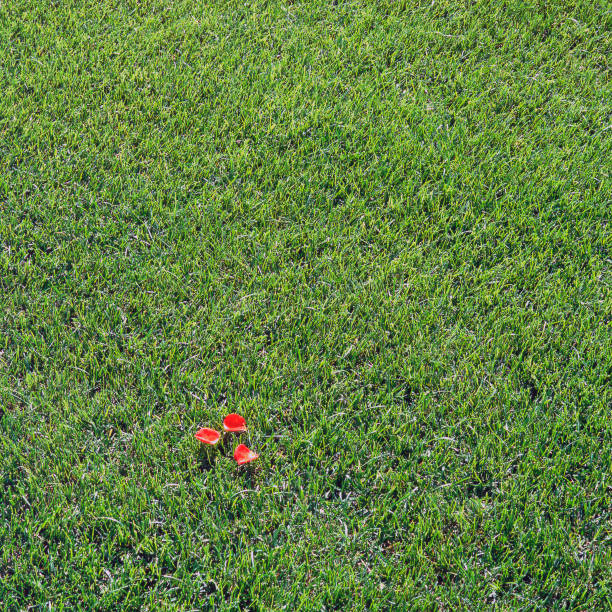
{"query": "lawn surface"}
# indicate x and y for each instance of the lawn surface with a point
(379, 231)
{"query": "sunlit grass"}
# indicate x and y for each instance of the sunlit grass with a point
(377, 230)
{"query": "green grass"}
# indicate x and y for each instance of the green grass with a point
(378, 230)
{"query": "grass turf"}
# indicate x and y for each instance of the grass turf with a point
(379, 231)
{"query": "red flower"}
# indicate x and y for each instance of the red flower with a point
(234, 422)
(208, 436)
(243, 454)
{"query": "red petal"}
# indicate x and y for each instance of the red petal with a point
(243, 454)
(208, 436)
(234, 422)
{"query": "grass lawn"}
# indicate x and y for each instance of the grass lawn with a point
(378, 230)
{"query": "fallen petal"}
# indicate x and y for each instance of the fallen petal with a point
(234, 422)
(208, 436)
(243, 454)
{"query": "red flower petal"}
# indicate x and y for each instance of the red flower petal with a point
(208, 436)
(234, 422)
(243, 454)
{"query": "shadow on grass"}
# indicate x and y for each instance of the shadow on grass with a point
(206, 458)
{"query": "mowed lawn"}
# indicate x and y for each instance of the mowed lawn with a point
(380, 231)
